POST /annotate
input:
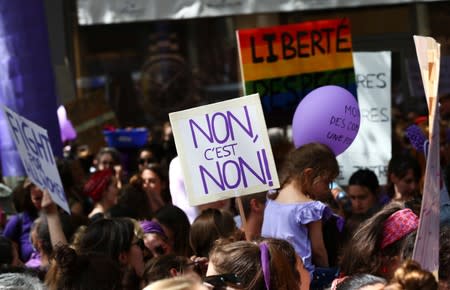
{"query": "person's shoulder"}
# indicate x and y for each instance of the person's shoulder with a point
(13, 226)
(14, 219)
(310, 211)
(314, 205)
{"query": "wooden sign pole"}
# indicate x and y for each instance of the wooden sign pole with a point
(242, 214)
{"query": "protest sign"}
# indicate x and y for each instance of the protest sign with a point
(224, 150)
(372, 147)
(415, 83)
(284, 63)
(426, 248)
(35, 150)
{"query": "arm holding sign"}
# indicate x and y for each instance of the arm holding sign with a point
(50, 209)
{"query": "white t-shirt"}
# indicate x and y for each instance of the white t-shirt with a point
(178, 191)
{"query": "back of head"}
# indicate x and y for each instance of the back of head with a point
(158, 268)
(410, 276)
(359, 281)
(175, 283)
(85, 271)
(260, 197)
(43, 232)
(313, 155)
(365, 177)
(20, 281)
(285, 248)
(133, 203)
(209, 226)
(108, 236)
(255, 265)
(377, 239)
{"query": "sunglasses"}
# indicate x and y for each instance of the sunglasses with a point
(222, 281)
(142, 161)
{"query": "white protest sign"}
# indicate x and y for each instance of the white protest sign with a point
(372, 146)
(35, 150)
(426, 248)
(415, 77)
(224, 150)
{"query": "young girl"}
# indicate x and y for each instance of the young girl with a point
(293, 213)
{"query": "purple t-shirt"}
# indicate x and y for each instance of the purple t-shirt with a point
(288, 221)
(18, 230)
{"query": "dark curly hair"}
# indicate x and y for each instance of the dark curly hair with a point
(72, 271)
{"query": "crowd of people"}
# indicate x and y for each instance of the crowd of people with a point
(132, 228)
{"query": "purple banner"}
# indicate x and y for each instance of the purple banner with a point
(27, 83)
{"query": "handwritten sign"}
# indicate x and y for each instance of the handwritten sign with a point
(415, 83)
(224, 150)
(426, 248)
(36, 153)
(284, 63)
(372, 146)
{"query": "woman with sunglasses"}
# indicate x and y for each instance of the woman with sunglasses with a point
(251, 266)
(146, 156)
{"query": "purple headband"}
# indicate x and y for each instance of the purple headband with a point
(265, 263)
(152, 227)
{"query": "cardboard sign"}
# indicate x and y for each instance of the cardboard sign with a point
(224, 150)
(415, 83)
(284, 63)
(35, 150)
(426, 248)
(371, 148)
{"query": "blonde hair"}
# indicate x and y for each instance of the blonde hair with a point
(175, 283)
(410, 276)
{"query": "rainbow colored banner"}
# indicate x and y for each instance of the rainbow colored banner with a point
(284, 63)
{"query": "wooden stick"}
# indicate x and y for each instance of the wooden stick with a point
(242, 214)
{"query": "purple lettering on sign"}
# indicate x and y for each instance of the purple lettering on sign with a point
(215, 127)
(37, 143)
(239, 168)
(243, 164)
(247, 129)
(266, 166)
(218, 182)
(209, 136)
(228, 120)
(12, 122)
(237, 171)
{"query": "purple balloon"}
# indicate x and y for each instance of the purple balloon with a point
(328, 115)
